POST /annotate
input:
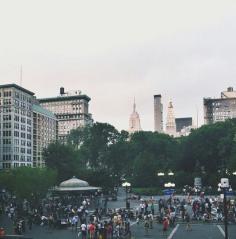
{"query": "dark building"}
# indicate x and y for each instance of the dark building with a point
(182, 123)
(220, 109)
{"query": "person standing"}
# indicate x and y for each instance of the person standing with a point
(152, 208)
(83, 230)
(187, 219)
(165, 225)
(146, 226)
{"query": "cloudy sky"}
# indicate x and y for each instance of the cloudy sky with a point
(114, 51)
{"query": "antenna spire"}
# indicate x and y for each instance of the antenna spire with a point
(134, 105)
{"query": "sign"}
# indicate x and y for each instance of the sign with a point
(168, 191)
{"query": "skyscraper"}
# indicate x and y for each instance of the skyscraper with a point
(134, 121)
(158, 114)
(170, 120)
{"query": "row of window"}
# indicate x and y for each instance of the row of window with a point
(6, 133)
(22, 97)
(15, 165)
(16, 157)
(5, 110)
(6, 94)
(22, 135)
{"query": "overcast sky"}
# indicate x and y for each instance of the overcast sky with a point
(114, 51)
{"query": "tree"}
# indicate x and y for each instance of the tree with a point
(26, 182)
(63, 158)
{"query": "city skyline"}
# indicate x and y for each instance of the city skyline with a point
(114, 52)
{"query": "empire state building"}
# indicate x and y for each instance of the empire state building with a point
(134, 121)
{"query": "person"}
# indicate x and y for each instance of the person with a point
(146, 225)
(2, 232)
(165, 225)
(152, 208)
(91, 230)
(187, 219)
(83, 230)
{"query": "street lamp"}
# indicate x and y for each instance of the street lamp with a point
(160, 174)
(224, 186)
(169, 185)
(126, 185)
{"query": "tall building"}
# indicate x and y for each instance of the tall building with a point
(44, 132)
(158, 114)
(17, 127)
(134, 121)
(71, 110)
(170, 120)
(220, 109)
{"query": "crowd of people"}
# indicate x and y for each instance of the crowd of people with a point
(80, 214)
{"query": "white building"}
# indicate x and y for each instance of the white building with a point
(134, 121)
(17, 127)
(170, 120)
(71, 110)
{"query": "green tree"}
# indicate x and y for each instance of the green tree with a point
(26, 182)
(64, 159)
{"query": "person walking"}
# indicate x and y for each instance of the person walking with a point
(187, 219)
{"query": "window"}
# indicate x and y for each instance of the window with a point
(22, 120)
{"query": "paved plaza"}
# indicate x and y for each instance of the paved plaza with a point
(199, 231)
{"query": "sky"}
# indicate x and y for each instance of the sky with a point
(114, 51)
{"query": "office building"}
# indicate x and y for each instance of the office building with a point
(220, 109)
(182, 123)
(170, 120)
(71, 110)
(183, 126)
(17, 127)
(134, 121)
(44, 132)
(158, 114)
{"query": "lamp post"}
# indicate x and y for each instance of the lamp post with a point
(224, 186)
(126, 185)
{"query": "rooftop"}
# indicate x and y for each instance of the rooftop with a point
(64, 98)
(43, 111)
(17, 87)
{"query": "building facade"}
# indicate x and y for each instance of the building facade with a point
(71, 111)
(183, 126)
(17, 127)
(134, 121)
(170, 120)
(44, 133)
(220, 109)
(158, 114)
(182, 123)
